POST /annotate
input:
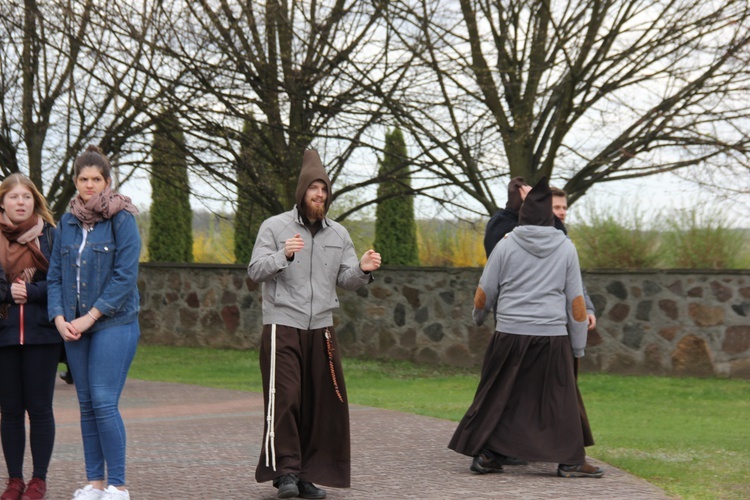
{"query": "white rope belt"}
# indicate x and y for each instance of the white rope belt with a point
(270, 438)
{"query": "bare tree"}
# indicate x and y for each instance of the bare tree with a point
(266, 80)
(590, 91)
(73, 73)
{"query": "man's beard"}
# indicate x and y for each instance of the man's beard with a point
(315, 212)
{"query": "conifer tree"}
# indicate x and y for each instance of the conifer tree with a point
(171, 228)
(395, 227)
(252, 166)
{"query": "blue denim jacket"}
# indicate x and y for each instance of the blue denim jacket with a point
(109, 270)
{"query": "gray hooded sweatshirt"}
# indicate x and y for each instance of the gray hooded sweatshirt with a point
(301, 293)
(534, 278)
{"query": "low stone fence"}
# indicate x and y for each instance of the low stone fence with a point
(658, 322)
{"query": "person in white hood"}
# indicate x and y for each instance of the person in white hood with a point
(526, 404)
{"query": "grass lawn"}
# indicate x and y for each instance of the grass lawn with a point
(688, 436)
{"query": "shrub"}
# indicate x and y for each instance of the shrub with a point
(607, 241)
(451, 244)
(214, 242)
(698, 239)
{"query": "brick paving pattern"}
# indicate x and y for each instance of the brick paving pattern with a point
(187, 442)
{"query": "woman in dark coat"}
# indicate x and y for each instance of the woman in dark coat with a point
(29, 343)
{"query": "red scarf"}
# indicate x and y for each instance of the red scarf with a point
(20, 254)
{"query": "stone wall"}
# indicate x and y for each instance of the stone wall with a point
(660, 322)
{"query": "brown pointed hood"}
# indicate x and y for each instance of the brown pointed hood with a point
(312, 170)
(537, 207)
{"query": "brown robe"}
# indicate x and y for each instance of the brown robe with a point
(526, 404)
(312, 424)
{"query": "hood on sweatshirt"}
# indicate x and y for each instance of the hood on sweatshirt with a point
(539, 241)
(312, 170)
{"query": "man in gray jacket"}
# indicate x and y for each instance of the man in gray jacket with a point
(526, 404)
(300, 256)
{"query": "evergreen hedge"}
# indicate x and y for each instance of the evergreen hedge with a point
(171, 225)
(395, 227)
(250, 214)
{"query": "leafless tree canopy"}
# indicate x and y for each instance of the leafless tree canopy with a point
(586, 91)
(594, 91)
(72, 73)
(263, 81)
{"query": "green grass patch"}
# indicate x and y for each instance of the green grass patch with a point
(220, 368)
(411, 388)
(688, 436)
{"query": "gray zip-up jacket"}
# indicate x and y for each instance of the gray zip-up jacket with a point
(534, 278)
(302, 293)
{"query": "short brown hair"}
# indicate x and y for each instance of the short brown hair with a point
(558, 192)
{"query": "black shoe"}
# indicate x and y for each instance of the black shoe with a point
(579, 470)
(483, 464)
(67, 377)
(287, 485)
(309, 490)
(503, 460)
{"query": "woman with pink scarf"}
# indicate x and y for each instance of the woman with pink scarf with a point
(93, 300)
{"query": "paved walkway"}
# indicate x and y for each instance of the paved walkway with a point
(187, 442)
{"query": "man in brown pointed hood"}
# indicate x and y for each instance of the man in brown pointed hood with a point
(300, 256)
(312, 171)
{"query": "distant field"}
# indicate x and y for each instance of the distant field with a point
(441, 242)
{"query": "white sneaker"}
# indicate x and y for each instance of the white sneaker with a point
(112, 493)
(88, 493)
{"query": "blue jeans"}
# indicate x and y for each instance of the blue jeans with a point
(99, 362)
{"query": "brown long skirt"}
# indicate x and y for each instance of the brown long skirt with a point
(526, 404)
(311, 425)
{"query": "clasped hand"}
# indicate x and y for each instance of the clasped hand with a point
(71, 331)
(18, 292)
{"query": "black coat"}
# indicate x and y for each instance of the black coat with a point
(37, 329)
(501, 223)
